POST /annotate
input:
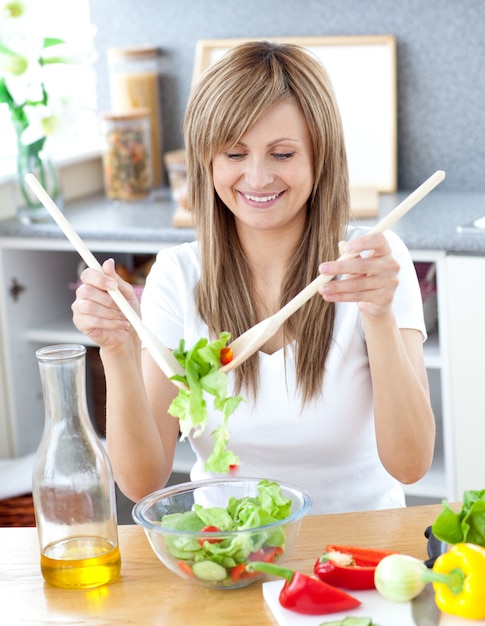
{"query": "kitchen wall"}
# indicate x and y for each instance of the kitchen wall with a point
(441, 58)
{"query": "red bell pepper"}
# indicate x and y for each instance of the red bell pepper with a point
(349, 567)
(185, 567)
(306, 594)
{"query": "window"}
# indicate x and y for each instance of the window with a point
(64, 19)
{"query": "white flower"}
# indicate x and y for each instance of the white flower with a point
(57, 120)
(14, 11)
(19, 24)
(20, 49)
(40, 74)
(23, 78)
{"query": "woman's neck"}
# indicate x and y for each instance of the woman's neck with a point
(269, 254)
(267, 250)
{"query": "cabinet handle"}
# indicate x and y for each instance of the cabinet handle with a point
(15, 289)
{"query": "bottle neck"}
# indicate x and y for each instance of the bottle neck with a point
(63, 376)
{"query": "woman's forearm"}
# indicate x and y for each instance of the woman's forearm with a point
(141, 461)
(405, 424)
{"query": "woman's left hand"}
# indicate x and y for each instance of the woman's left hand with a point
(370, 279)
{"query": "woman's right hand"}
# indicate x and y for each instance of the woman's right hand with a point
(94, 312)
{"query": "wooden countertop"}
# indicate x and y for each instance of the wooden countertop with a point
(147, 593)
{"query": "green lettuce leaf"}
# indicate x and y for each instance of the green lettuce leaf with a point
(466, 525)
(244, 513)
(203, 376)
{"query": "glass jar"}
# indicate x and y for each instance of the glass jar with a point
(176, 166)
(34, 159)
(134, 83)
(72, 483)
(127, 165)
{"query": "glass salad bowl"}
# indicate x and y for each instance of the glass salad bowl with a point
(208, 531)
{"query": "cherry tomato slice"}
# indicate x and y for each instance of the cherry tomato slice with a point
(210, 529)
(226, 355)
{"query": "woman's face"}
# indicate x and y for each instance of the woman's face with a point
(266, 178)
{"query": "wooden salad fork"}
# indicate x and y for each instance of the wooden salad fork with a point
(249, 342)
(160, 353)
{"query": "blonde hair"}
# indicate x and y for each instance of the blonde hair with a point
(230, 97)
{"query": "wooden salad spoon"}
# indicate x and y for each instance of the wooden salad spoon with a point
(250, 341)
(160, 353)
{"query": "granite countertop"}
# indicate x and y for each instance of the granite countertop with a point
(95, 218)
(431, 225)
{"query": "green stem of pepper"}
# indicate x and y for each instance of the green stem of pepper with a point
(455, 579)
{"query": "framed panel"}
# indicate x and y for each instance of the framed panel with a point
(363, 72)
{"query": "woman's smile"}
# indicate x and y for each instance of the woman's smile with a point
(261, 201)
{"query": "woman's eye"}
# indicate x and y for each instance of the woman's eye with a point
(235, 156)
(279, 156)
(283, 156)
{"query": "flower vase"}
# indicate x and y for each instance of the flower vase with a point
(34, 159)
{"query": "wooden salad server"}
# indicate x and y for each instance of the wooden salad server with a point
(250, 341)
(160, 353)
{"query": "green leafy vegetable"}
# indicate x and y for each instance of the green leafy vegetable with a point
(267, 507)
(203, 376)
(466, 525)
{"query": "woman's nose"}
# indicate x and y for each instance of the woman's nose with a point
(258, 173)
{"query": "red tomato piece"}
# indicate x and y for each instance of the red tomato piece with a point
(210, 529)
(226, 355)
(233, 469)
(267, 555)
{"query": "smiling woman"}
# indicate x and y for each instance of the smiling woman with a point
(47, 86)
(267, 183)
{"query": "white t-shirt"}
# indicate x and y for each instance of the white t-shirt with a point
(329, 447)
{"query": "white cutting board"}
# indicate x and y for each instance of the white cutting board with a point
(383, 612)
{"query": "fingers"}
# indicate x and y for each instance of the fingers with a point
(371, 276)
(94, 311)
(355, 253)
(362, 290)
(107, 280)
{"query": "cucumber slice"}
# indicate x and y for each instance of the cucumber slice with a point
(208, 570)
(357, 621)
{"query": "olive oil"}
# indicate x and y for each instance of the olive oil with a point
(80, 562)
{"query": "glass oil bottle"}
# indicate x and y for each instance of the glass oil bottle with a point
(73, 487)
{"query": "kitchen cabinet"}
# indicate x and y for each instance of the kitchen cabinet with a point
(35, 273)
(465, 348)
(37, 277)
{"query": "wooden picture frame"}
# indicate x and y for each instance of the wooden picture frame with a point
(362, 69)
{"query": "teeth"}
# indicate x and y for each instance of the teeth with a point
(259, 199)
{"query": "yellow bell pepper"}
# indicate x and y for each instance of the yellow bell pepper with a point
(458, 578)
